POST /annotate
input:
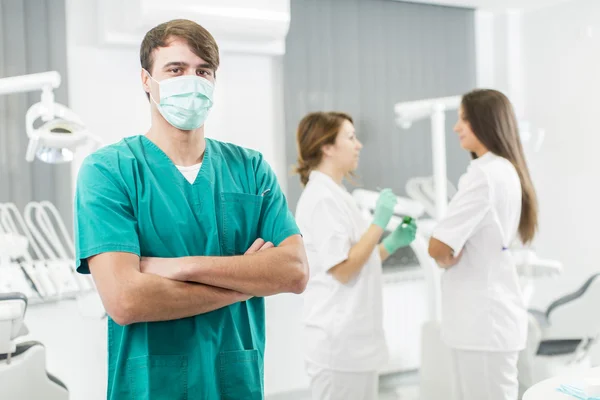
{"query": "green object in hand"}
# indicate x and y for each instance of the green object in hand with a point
(402, 236)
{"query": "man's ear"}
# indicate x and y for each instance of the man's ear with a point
(145, 80)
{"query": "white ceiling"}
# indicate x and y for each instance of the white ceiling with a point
(494, 5)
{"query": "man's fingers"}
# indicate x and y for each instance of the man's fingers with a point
(259, 245)
(256, 246)
(265, 246)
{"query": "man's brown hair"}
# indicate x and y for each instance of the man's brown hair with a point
(201, 42)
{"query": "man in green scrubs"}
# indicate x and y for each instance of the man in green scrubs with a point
(184, 236)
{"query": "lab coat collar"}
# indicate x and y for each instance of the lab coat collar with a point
(340, 190)
(487, 157)
(325, 179)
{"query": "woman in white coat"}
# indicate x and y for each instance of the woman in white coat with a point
(484, 319)
(343, 327)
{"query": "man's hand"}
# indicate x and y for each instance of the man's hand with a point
(167, 268)
(258, 245)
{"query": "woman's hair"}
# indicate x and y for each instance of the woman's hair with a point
(493, 121)
(316, 130)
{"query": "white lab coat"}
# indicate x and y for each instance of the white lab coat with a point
(485, 375)
(483, 309)
(343, 324)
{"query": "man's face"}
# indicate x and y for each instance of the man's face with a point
(177, 59)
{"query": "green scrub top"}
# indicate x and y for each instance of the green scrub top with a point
(130, 197)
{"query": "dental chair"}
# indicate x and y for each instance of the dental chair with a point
(23, 374)
(560, 338)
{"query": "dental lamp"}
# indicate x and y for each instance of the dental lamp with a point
(409, 112)
(45, 81)
(61, 132)
(406, 114)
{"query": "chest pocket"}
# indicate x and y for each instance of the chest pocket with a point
(240, 216)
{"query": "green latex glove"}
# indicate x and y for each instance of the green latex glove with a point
(384, 208)
(402, 236)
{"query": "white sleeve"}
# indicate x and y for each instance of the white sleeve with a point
(330, 234)
(466, 210)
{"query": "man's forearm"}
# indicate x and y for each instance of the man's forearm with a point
(263, 273)
(270, 272)
(154, 298)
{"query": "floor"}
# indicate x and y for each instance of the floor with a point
(402, 393)
(392, 387)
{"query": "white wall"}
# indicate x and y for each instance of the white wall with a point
(562, 62)
(499, 54)
(248, 107)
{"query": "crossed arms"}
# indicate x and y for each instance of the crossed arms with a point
(159, 289)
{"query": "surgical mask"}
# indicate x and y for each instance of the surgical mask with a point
(184, 100)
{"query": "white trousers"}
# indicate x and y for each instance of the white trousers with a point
(326, 384)
(485, 375)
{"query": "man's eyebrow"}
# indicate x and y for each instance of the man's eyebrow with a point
(175, 64)
(184, 65)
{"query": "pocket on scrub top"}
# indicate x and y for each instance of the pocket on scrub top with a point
(240, 214)
(158, 377)
(240, 376)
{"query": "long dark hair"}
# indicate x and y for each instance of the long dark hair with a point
(493, 121)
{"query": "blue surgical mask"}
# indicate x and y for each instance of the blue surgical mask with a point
(184, 100)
